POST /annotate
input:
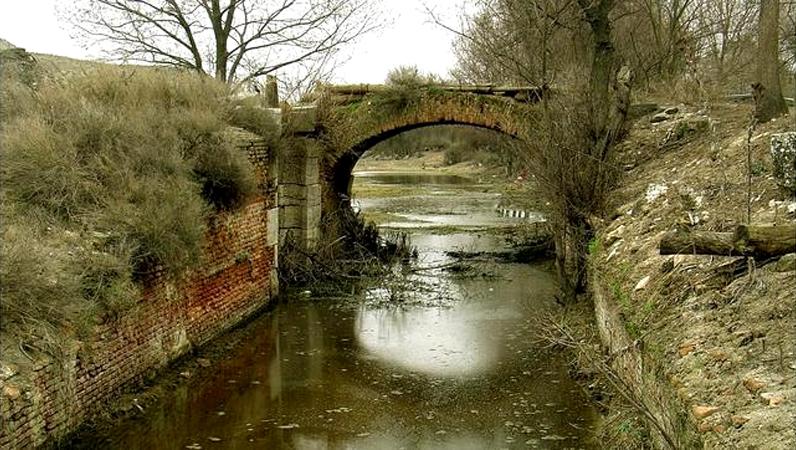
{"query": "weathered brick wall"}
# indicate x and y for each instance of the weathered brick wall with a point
(237, 277)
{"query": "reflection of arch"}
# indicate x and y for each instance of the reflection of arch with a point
(356, 128)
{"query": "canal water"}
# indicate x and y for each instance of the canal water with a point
(441, 355)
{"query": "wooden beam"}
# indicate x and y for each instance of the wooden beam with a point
(747, 240)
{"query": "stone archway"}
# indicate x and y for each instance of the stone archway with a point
(329, 138)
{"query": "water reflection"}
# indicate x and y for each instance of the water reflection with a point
(434, 341)
(325, 374)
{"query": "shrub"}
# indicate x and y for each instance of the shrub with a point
(404, 89)
(40, 289)
(225, 176)
(107, 176)
(250, 114)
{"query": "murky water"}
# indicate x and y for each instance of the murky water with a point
(444, 201)
(452, 366)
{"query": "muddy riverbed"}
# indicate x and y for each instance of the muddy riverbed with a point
(435, 357)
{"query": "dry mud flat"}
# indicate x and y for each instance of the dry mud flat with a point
(725, 341)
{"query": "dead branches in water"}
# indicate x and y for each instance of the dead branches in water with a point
(359, 252)
(555, 333)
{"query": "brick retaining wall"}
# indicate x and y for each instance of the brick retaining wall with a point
(237, 277)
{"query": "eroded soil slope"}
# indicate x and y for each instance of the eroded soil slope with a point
(726, 340)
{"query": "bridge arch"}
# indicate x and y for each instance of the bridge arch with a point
(329, 137)
(355, 127)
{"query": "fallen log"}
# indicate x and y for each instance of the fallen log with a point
(748, 240)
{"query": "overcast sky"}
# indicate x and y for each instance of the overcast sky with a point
(408, 39)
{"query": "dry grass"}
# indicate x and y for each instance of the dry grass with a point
(691, 316)
(107, 176)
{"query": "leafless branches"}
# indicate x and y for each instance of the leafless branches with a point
(234, 40)
(556, 333)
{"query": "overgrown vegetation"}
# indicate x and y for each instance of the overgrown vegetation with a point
(364, 252)
(108, 178)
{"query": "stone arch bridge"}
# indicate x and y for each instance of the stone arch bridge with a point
(326, 138)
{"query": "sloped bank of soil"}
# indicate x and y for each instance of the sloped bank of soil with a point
(721, 343)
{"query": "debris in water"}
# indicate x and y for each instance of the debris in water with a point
(289, 426)
(214, 439)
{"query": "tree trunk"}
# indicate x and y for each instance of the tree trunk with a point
(747, 240)
(603, 61)
(769, 101)
(220, 35)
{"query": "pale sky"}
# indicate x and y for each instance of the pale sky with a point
(408, 39)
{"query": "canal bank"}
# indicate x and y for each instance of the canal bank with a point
(442, 354)
(705, 342)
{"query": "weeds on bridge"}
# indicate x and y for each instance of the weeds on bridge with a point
(107, 177)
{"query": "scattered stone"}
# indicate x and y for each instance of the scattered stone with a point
(660, 117)
(614, 235)
(553, 437)
(787, 263)
(704, 426)
(783, 154)
(773, 398)
(753, 384)
(654, 191)
(11, 391)
(185, 374)
(718, 354)
(671, 110)
(686, 348)
(7, 371)
(739, 421)
(642, 283)
(203, 362)
(702, 411)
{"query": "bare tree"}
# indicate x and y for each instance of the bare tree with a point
(517, 41)
(572, 154)
(233, 40)
(657, 36)
(768, 90)
(726, 29)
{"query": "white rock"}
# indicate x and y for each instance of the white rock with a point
(654, 191)
(642, 283)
